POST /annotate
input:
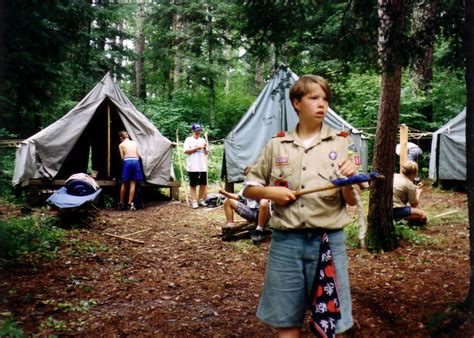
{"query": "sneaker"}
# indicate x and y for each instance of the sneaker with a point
(121, 207)
(257, 236)
(202, 203)
(195, 205)
(131, 207)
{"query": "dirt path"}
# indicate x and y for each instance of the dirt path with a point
(185, 281)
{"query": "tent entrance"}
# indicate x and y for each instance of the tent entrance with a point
(97, 147)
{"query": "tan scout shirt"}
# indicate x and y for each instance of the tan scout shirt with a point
(404, 191)
(285, 160)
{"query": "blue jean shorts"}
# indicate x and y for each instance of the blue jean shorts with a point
(401, 213)
(290, 274)
(244, 211)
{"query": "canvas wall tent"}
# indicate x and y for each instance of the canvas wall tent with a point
(448, 150)
(90, 131)
(270, 113)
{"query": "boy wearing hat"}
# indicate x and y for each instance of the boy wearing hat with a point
(196, 149)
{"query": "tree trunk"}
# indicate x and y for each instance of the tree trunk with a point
(140, 90)
(469, 45)
(211, 82)
(381, 231)
(176, 62)
(424, 26)
(259, 80)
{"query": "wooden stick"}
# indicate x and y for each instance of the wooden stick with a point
(136, 232)
(108, 140)
(181, 168)
(446, 213)
(124, 238)
(207, 146)
(329, 187)
(309, 191)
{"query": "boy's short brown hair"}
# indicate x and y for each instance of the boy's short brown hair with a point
(410, 168)
(123, 134)
(305, 84)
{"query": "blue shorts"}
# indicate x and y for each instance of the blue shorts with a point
(289, 278)
(246, 212)
(401, 213)
(131, 170)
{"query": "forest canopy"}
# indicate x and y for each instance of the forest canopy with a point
(185, 61)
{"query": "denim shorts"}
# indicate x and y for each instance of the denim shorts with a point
(250, 214)
(401, 213)
(289, 278)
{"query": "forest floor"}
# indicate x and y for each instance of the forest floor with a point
(185, 281)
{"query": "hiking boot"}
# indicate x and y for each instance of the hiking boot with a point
(195, 205)
(131, 207)
(257, 236)
(202, 203)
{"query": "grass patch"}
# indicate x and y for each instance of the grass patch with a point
(29, 240)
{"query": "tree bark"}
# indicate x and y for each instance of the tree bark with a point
(469, 46)
(176, 62)
(424, 27)
(381, 231)
(140, 89)
(424, 19)
(211, 82)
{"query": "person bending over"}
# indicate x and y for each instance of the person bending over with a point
(131, 169)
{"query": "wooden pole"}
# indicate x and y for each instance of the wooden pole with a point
(403, 145)
(108, 140)
(181, 168)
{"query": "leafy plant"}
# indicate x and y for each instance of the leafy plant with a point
(9, 328)
(29, 239)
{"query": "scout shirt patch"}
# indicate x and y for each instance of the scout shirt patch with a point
(356, 159)
(281, 161)
(333, 155)
(352, 147)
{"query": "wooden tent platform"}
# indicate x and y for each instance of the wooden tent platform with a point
(34, 186)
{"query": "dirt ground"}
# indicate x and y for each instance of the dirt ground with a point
(183, 280)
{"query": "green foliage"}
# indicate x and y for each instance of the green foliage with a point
(9, 328)
(410, 234)
(7, 167)
(29, 239)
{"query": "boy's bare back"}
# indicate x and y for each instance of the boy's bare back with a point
(129, 148)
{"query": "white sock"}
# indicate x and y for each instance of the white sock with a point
(259, 227)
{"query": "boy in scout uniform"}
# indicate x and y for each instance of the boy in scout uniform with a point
(307, 157)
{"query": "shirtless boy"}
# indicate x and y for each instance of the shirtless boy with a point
(131, 170)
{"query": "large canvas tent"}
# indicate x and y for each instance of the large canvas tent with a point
(270, 113)
(88, 135)
(448, 150)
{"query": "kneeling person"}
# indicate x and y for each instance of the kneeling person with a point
(251, 210)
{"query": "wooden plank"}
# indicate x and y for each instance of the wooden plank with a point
(102, 183)
(403, 145)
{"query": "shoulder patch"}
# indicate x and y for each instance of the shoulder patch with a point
(280, 134)
(343, 133)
